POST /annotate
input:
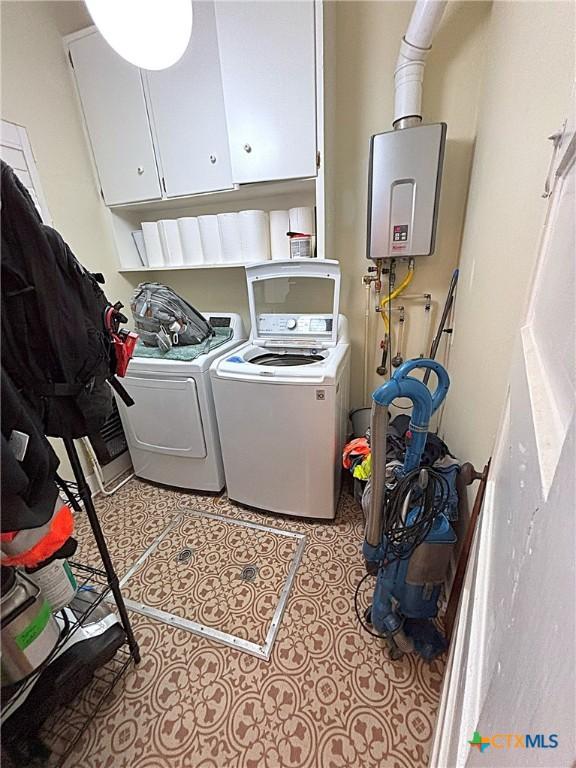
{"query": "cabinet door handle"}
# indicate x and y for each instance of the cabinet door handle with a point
(247, 148)
(140, 170)
(212, 159)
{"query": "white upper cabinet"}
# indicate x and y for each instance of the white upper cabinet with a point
(116, 118)
(188, 117)
(268, 74)
(238, 108)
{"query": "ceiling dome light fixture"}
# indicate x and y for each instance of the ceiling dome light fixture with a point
(151, 34)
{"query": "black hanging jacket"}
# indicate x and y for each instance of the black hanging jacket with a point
(55, 346)
(28, 465)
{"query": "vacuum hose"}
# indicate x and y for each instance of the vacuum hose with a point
(378, 430)
(425, 404)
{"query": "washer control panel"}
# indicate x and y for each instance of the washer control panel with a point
(294, 325)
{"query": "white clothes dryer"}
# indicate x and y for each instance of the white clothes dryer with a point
(171, 429)
(282, 398)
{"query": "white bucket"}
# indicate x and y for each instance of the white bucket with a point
(56, 582)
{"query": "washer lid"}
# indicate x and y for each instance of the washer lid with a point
(294, 302)
(284, 358)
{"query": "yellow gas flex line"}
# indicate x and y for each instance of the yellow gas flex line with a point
(396, 292)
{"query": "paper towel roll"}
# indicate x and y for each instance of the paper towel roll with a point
(302, 220)
(170, 240)
(229, 226)
(210, 236)
(190, 238)
(254, 235)
(152, 244)
(279, 240)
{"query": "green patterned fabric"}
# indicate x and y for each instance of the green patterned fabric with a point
(189, 352)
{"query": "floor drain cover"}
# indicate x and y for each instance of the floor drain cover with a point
(222, 578)
(249, 573)
(184, 555)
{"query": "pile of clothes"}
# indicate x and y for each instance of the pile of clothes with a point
(357, 455)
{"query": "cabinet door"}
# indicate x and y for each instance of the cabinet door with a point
(187, 110)
(268, 73)
(114, 109)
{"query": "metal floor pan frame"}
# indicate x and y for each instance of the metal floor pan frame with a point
(255, 649)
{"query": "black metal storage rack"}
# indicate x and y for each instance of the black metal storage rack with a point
(62, 731)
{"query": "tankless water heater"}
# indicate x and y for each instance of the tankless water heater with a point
(404, 190)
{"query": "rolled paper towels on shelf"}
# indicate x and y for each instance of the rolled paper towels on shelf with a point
(302, 220)
(192, 252)
(152, 244)
(279, 240)
(229, 226)
(210, 236)
(170, 240)
(254, 236)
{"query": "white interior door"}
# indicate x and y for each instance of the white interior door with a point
(187, 109)
(267, 59)
(511, 667)
(112, 98)
(16, 150)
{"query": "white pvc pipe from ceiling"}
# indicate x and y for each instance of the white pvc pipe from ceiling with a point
(414, 49)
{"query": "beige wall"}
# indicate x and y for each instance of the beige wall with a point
(367, 40)
(526, 96)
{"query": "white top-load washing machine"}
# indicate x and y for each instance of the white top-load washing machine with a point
(282, 398)
(171, 429)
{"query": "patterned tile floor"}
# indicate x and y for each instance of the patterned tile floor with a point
(328, 698)
(208, 588)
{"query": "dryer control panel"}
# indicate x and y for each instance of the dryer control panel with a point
(220, 321)
(295, 325)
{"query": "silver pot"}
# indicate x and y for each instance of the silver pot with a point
(29, 631)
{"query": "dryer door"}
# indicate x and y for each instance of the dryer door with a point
(165, 416)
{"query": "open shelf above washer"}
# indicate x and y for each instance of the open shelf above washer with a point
(180, 267)
(220, 199)
(127, 219)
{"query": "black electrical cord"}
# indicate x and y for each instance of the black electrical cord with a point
(359, 616)
(403, 538)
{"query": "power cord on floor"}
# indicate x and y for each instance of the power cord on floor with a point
(359, 616)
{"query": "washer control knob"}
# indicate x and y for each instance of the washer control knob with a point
(291, 324)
